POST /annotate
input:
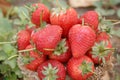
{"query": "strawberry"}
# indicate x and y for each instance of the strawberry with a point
(90, 18)
(51, 70)
(80, 68)
(66, 18)
(34, 59)
(23, 39)
(41, 13)
(62, 52)
(47, 39)
(81, 39)
(101, 51)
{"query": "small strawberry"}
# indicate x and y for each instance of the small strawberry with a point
(66, 18)
(23, 39)
(80, 68)
(41, 13)
(90, 18)
(101, 51)
(81, 39)
(51, 70)
(33, 59)
(62, 52)
(47, 38)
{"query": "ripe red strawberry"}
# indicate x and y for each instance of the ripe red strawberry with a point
(62, 52)
(51, 70)
(40, 13)
(34, 59)
(65, 18)
(81, 39)
(80, 68)
(23, 39)
(101, 51)
(47, 38)
(90, 18)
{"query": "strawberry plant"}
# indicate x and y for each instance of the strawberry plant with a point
(108, 7)
(8, 52)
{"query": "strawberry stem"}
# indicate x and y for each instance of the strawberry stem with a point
(83, 21)
(41, 15)
(8, 42)
(109, 49)
(46, 49)
(116, 23)
(11, 57)
(26, 50)
(112, 20)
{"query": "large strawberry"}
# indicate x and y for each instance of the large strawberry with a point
(51, 70)
(23, 39)
(80, 68)
(33, 59)
(47, 39)
(101, 51)
(90, 18)
(81, 39)
(62, 52)
(66, 18)
(41, 13)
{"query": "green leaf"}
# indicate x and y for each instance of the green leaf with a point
(3, 55)
(9, 49)
(18, 72)
(5, 28)
(12, 76)
(118, 13)
(98, 4)
(12, 63)
(104, 12)
(114, 2)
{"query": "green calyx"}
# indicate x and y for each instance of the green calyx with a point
(86, 67)
(50, 72)
(100, 50)
(31, 8)
(105, 26)
(58, 11)
(61, 48)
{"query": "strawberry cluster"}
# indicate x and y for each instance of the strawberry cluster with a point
(66, 45)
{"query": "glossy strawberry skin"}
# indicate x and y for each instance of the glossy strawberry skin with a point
(81, 39)
(61, 69)
(41, 11)
(64, 57)
(75, 72)
(103, 36)
(47, 38)
(23, 39)
(38, 59)
(65, 20)
(91, 18)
